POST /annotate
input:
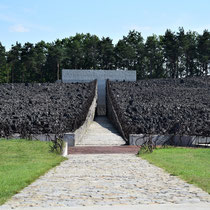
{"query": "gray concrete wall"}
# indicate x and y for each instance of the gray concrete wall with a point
(112, 115)
(160, 140)
(73, 138)
(101, 76)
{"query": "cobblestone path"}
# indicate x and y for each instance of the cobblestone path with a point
(86, 180)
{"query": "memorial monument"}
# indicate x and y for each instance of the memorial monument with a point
(69, 76)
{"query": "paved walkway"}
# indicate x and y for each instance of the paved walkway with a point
(101, 133)
(129, 207)
(117, 179)
(107, 180)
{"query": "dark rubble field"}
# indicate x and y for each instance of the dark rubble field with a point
(43, 108)
(163, 106)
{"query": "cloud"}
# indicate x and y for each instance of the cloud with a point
(19, 28)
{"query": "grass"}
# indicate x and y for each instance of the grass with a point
(192, 165)
(21, 162)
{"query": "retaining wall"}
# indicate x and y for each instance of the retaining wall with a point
(173, 140)
(73, 138)
(112, 114)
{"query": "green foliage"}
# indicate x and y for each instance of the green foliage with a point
(170, 46)
(14, 61)
(74, 52)
(54, 58)
(106, 54)
(57, 145)
(130, 53)
(174, 54)
(190, 164)
(4, 69)
(147, 146)
(21, 162)
(145, 149)
(154, 58)
(204, 52)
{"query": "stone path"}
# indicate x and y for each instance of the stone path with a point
(106, 179)
(101, 133)
(119, 179)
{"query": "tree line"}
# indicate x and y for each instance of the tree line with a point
(173, 55)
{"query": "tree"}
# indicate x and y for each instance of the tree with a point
(106, 54)
(204, 52)
(154, 58)
(14, 62)
(74, 53)
(41, 51)
(171, 53)
(181, 42)
(175, 55)
(4, 70)
(54, 60)
(91, 52)
(30, 73)
(190, 54)
(129, 53)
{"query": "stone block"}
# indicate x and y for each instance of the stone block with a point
(69, 138)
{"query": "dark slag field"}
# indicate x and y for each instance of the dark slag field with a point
(43, 108)
(163, 106)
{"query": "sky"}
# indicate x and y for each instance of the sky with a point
(36, 20)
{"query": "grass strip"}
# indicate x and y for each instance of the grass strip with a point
(22, 162)
(190, 164)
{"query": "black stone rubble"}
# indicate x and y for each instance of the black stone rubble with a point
(43, 108)
(163, 106)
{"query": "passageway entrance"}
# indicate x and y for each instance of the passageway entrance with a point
(101, 76)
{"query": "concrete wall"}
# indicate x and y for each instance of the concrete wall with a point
(159, 140)
(76, 137)
(112, 115)
(101, 76)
